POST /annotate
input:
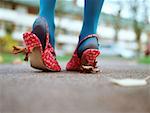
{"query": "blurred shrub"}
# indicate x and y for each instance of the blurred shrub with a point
(7, 41)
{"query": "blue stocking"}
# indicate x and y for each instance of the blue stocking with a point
(47, 14)
(92, 9)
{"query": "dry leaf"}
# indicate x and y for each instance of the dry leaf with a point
(128, 82)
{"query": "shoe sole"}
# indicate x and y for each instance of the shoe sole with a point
(36, 60)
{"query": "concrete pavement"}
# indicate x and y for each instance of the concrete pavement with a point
(25, 90)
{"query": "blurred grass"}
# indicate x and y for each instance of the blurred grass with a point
(9, 58)
(144, 60)
(63, 58)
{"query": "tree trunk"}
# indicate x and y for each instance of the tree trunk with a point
(138, 31)
(116, 36)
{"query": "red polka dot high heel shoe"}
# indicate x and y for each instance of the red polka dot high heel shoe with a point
(87, 62)
(39, 58)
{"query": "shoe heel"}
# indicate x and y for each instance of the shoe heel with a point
(88, 61)
(31, 41)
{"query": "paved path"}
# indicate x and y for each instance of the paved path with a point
(25, 90)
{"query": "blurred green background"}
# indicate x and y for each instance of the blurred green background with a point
(124, 28)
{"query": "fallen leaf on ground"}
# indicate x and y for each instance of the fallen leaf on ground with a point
(129, 82)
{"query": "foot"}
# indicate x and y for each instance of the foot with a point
(90, 43)
(84, 57)
(41, 53)
(40, 30)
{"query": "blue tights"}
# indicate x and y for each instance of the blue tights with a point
(47, 10)
(92, 11)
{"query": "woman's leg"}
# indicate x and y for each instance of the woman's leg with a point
(47, 10)
(92, 10)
